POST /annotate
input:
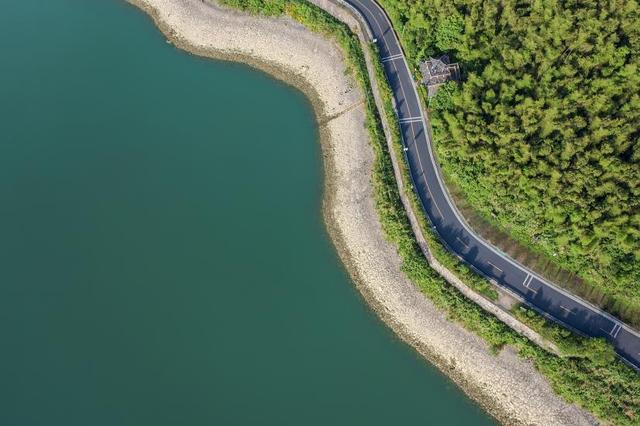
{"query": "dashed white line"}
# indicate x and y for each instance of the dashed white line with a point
(433, 200)
(569, 311)
(463, 243)
(494, 266)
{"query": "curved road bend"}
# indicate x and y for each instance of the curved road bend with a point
(543, 296)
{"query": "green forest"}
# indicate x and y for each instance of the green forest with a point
(541, 136)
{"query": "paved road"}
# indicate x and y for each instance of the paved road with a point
(545, 297)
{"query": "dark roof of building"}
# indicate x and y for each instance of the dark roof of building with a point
(438, 66)
(437, 71)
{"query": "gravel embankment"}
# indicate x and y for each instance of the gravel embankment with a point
(505, 385)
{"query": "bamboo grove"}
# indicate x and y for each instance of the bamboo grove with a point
(541, 137)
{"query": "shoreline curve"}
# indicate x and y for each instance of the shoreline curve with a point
(506, 386)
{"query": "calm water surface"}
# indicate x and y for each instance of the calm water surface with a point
(162, 256)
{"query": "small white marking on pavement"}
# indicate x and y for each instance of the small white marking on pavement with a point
(410, 120)
(569, 311)
(463, 243)
(392, 57)
(433, 201)
(527, 284)
(615, 330)
(494, 266)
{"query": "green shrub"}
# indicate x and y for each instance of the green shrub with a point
(443, 99)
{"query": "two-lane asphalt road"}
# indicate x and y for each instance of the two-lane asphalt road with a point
(545, 297)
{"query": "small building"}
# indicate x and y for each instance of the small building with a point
(437, 71)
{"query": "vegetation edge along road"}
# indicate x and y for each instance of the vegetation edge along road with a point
(591, 378)
(541, 295)
(539, 140)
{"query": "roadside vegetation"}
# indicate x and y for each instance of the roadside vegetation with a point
(541, 138)
(589, 374)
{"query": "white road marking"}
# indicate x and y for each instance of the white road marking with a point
(527, 282)
(404, 95)
(615, 330)
(569, 311)
(494, 266)
(433, 200)
(410, 120)
(392, 57)
(463, 243)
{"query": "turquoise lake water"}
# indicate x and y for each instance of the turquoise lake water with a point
(163, 258)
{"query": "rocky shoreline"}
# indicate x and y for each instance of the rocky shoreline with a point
(508, 387)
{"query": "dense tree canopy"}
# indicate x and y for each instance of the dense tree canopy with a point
(542, 135)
